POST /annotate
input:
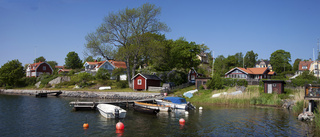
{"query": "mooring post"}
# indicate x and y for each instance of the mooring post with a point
(311, 105)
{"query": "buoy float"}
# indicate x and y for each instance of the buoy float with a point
(85, 125)
(200, 108)
(182, 121)
(119, 125)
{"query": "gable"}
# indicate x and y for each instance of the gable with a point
(107, 65)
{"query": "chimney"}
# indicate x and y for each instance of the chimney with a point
(245, 66)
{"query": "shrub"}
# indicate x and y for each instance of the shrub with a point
(122, 84)
(102, 74)
(177, 77)
(215, 82)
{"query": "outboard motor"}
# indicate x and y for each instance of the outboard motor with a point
(116, 113)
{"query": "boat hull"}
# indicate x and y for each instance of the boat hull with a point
(161, 108)
(172, 105)
(146, 110)
(111, 111)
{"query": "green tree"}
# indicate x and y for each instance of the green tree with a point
(52, 64)
(280, 61)
(306, 75)
(11, 72)
(40, 59)
(73, 61)
(117, 72)
(124, 30)
(296, 65)
(103, 74)
(89, 59)
(250, 59)
(185, 54)
(220, 67)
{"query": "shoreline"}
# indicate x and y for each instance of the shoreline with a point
(85, 94)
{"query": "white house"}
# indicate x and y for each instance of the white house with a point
(110, 65)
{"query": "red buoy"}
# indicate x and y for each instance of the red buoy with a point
(182, 121)
(119, 125)
(85, 125)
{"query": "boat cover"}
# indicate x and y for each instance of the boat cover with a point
(177, 100)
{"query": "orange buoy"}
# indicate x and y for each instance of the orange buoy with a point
(182, 121)
(119, 125)
(85, 125)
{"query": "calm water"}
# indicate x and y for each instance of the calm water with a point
(30, 116)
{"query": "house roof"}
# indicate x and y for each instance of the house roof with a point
(305, 63)
(153, 77)
(254, 71)
(117, 64)
(35, 66)
(265, 61)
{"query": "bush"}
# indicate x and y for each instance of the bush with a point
(229, 82)
(215, 82)
(102, 74)
(122, 84)
(266, 99)
(177, 77)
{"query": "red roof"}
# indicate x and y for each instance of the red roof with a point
(34, 65)
(255, 71)
(305, 63)
(118, 64)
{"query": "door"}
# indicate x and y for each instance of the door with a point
(269, 88)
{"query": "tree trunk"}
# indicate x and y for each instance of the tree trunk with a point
(134, 66)
(128, 72)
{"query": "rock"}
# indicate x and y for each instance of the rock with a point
(38, 84)
(306, 116)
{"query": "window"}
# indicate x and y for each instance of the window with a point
(304, 67)
(44, 67)
(139, 82)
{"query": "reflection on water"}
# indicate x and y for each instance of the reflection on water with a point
(30, 116)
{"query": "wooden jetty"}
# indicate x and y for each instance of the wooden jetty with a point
(45, 93)
(81, 105)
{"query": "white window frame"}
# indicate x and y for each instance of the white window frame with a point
(139, 82)
(44, 68)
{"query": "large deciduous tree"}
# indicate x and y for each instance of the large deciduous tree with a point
(11, 72)
(73, 61)
(280, 61)
(250, 59)
(124, 30)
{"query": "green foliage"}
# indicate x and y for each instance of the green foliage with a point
(122, 84)
(11, 73)
(298, 107)
(295, 66)
(229, 82)
(40, 59)
(82, 79)
(102, 74)
(266, 99)
(250, 59)
(185, 54)
(280, 61)
(45, 79)
(117, 72)
(177, 77)
(52, 64)
(29, 81)
(306, 75)
(317, 117)
(300, 82)
(220, 66)
(215, 83)
(73, 61)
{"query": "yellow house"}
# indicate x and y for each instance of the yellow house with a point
(314, 67)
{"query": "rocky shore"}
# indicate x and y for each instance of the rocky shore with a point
(86, 94)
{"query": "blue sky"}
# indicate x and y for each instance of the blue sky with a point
(53, 28)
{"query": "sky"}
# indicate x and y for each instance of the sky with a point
(53, 28)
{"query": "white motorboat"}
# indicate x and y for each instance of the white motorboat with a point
(175, 103)
(111, 111)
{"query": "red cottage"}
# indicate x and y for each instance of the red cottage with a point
(143, 81)
(36, 69)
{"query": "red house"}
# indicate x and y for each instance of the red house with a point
(36, 69)
(192, 75)
(143, 81)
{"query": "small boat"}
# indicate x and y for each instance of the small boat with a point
(161, 108)
(148, 108)
(175, 103)
(111, 111)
